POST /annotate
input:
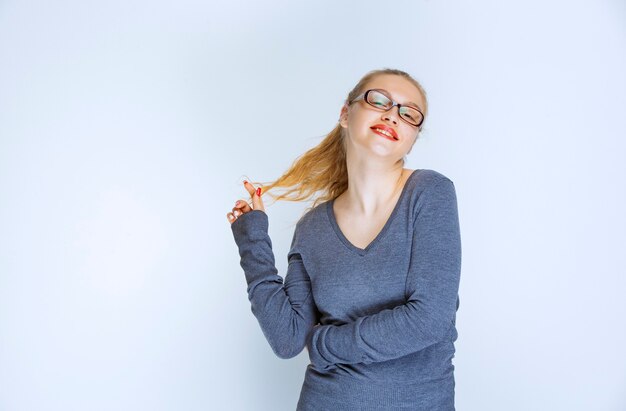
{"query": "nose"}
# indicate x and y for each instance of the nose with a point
(390, 116)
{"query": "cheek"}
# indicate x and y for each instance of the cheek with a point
(355, 123)
(362, 120)
(408, 133)
(356, 117)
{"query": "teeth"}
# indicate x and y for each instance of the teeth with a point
(385, 132)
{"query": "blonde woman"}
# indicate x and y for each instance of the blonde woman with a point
(371, 288)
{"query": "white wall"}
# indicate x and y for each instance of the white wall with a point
(126, 129)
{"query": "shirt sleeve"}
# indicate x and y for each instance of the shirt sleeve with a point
(286, 312)
(432, 282)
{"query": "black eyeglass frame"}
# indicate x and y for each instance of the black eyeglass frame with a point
(363, 96)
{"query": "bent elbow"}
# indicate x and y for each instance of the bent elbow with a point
(287, 348)
(285, 342)
(286, 352)
(284, 355)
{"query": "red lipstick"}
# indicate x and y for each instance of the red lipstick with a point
(387, 129)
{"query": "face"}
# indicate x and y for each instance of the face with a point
(360, 119)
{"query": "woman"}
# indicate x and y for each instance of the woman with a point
(372, 283)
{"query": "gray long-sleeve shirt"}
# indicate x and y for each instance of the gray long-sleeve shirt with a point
(378, 323)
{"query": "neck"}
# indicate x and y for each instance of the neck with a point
(371, 189)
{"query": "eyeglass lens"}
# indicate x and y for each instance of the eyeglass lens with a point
(379, 100)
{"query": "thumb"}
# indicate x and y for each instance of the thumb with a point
(255, 194)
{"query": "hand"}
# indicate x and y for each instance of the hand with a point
(241, 207)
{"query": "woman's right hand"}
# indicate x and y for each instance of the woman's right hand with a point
(241, 207)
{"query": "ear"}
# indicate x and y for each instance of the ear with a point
(343, 116)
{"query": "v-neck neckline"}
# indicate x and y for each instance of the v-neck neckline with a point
(344, 239)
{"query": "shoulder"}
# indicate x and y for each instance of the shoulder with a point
(427, 177)
(432, 188)
(312, 219)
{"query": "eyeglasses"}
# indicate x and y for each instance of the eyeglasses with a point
(380, 101)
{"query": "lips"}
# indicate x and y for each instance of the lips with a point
(387, 129)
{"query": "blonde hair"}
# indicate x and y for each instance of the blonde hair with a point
(323, 168)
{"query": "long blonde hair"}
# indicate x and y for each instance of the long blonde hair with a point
(323, 168)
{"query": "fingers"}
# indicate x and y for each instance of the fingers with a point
(255, 193)
(230, 217)
(242, 207)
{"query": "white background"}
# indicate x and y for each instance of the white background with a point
(126, 129)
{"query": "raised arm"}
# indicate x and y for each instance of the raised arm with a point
(286, 313)
(433, 283)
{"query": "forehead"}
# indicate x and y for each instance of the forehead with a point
(398, 88)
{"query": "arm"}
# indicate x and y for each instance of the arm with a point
(428, 315)
(286, 313)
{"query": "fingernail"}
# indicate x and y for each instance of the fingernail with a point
(258, 191)
(245, 181)
(237, 203)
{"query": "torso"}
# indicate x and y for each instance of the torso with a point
(359, 230)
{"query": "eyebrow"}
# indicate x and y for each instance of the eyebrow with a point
(410, 103)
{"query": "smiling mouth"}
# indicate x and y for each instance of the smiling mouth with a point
(384, 134)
